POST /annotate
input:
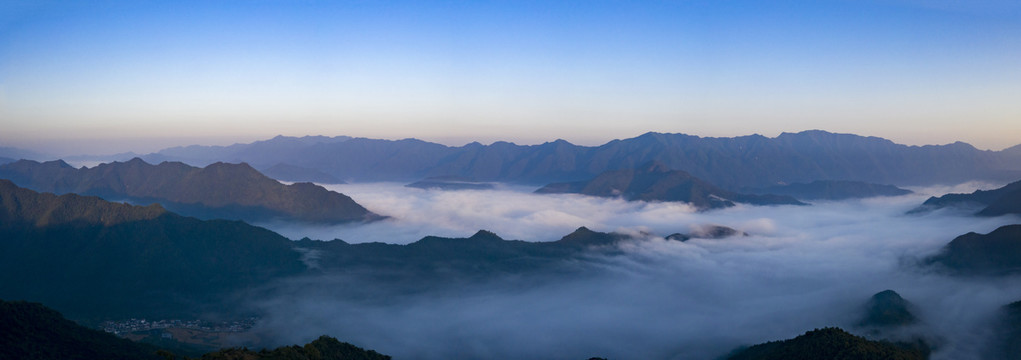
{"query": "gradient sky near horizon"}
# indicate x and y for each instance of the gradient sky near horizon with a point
(112, 76)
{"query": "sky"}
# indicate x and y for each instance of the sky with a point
(113, 76)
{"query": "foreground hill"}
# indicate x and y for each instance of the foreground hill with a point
(998, 252)
(996, 202)
(1006, 339)
(828, 343)
(323, 348)
(832, 190)
(732, 163)
(33, 331)
(220, 190)
(124, 260)
(655, 182)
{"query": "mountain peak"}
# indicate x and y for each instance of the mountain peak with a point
(485, 235)
(49, 164)
(888, 308)
(581, 230)
(585, 237)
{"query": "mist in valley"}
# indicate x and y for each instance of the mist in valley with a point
(799, 268)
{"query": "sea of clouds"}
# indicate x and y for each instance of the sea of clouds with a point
(800, 268)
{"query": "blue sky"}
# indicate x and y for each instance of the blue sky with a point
(112, 76)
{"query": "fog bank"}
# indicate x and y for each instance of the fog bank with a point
(801, 267)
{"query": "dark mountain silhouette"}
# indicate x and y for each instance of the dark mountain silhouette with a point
(887, 309)
(288, 172)
(996, 202)
(91, 258)
(832, 190)
(451, 183)
(888, 316)
(998, 252)
(829, 343)
(1008, 203)
(481, 255)
(323, 348)
(655, 182)
(1005, 342)
(707, 232)
(220, 190)
(4, 160)
(33, 331)
(732, 163)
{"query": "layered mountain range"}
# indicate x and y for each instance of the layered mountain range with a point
(731, 163)
(220, 190)
(124, 260)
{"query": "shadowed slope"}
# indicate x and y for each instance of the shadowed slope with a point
(89, 258)
(995, 253)
(220, 190)
(995, 202)
(828, 343)
(33, 331)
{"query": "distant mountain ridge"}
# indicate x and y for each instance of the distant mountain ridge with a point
(732, 163)
(995, 202)
(220, 190)
(655, 182)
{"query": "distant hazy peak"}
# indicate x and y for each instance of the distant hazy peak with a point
(51, 164)
(729, 162)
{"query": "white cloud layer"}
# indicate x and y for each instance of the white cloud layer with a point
(800, 268)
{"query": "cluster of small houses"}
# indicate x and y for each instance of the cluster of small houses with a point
(135, 325)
